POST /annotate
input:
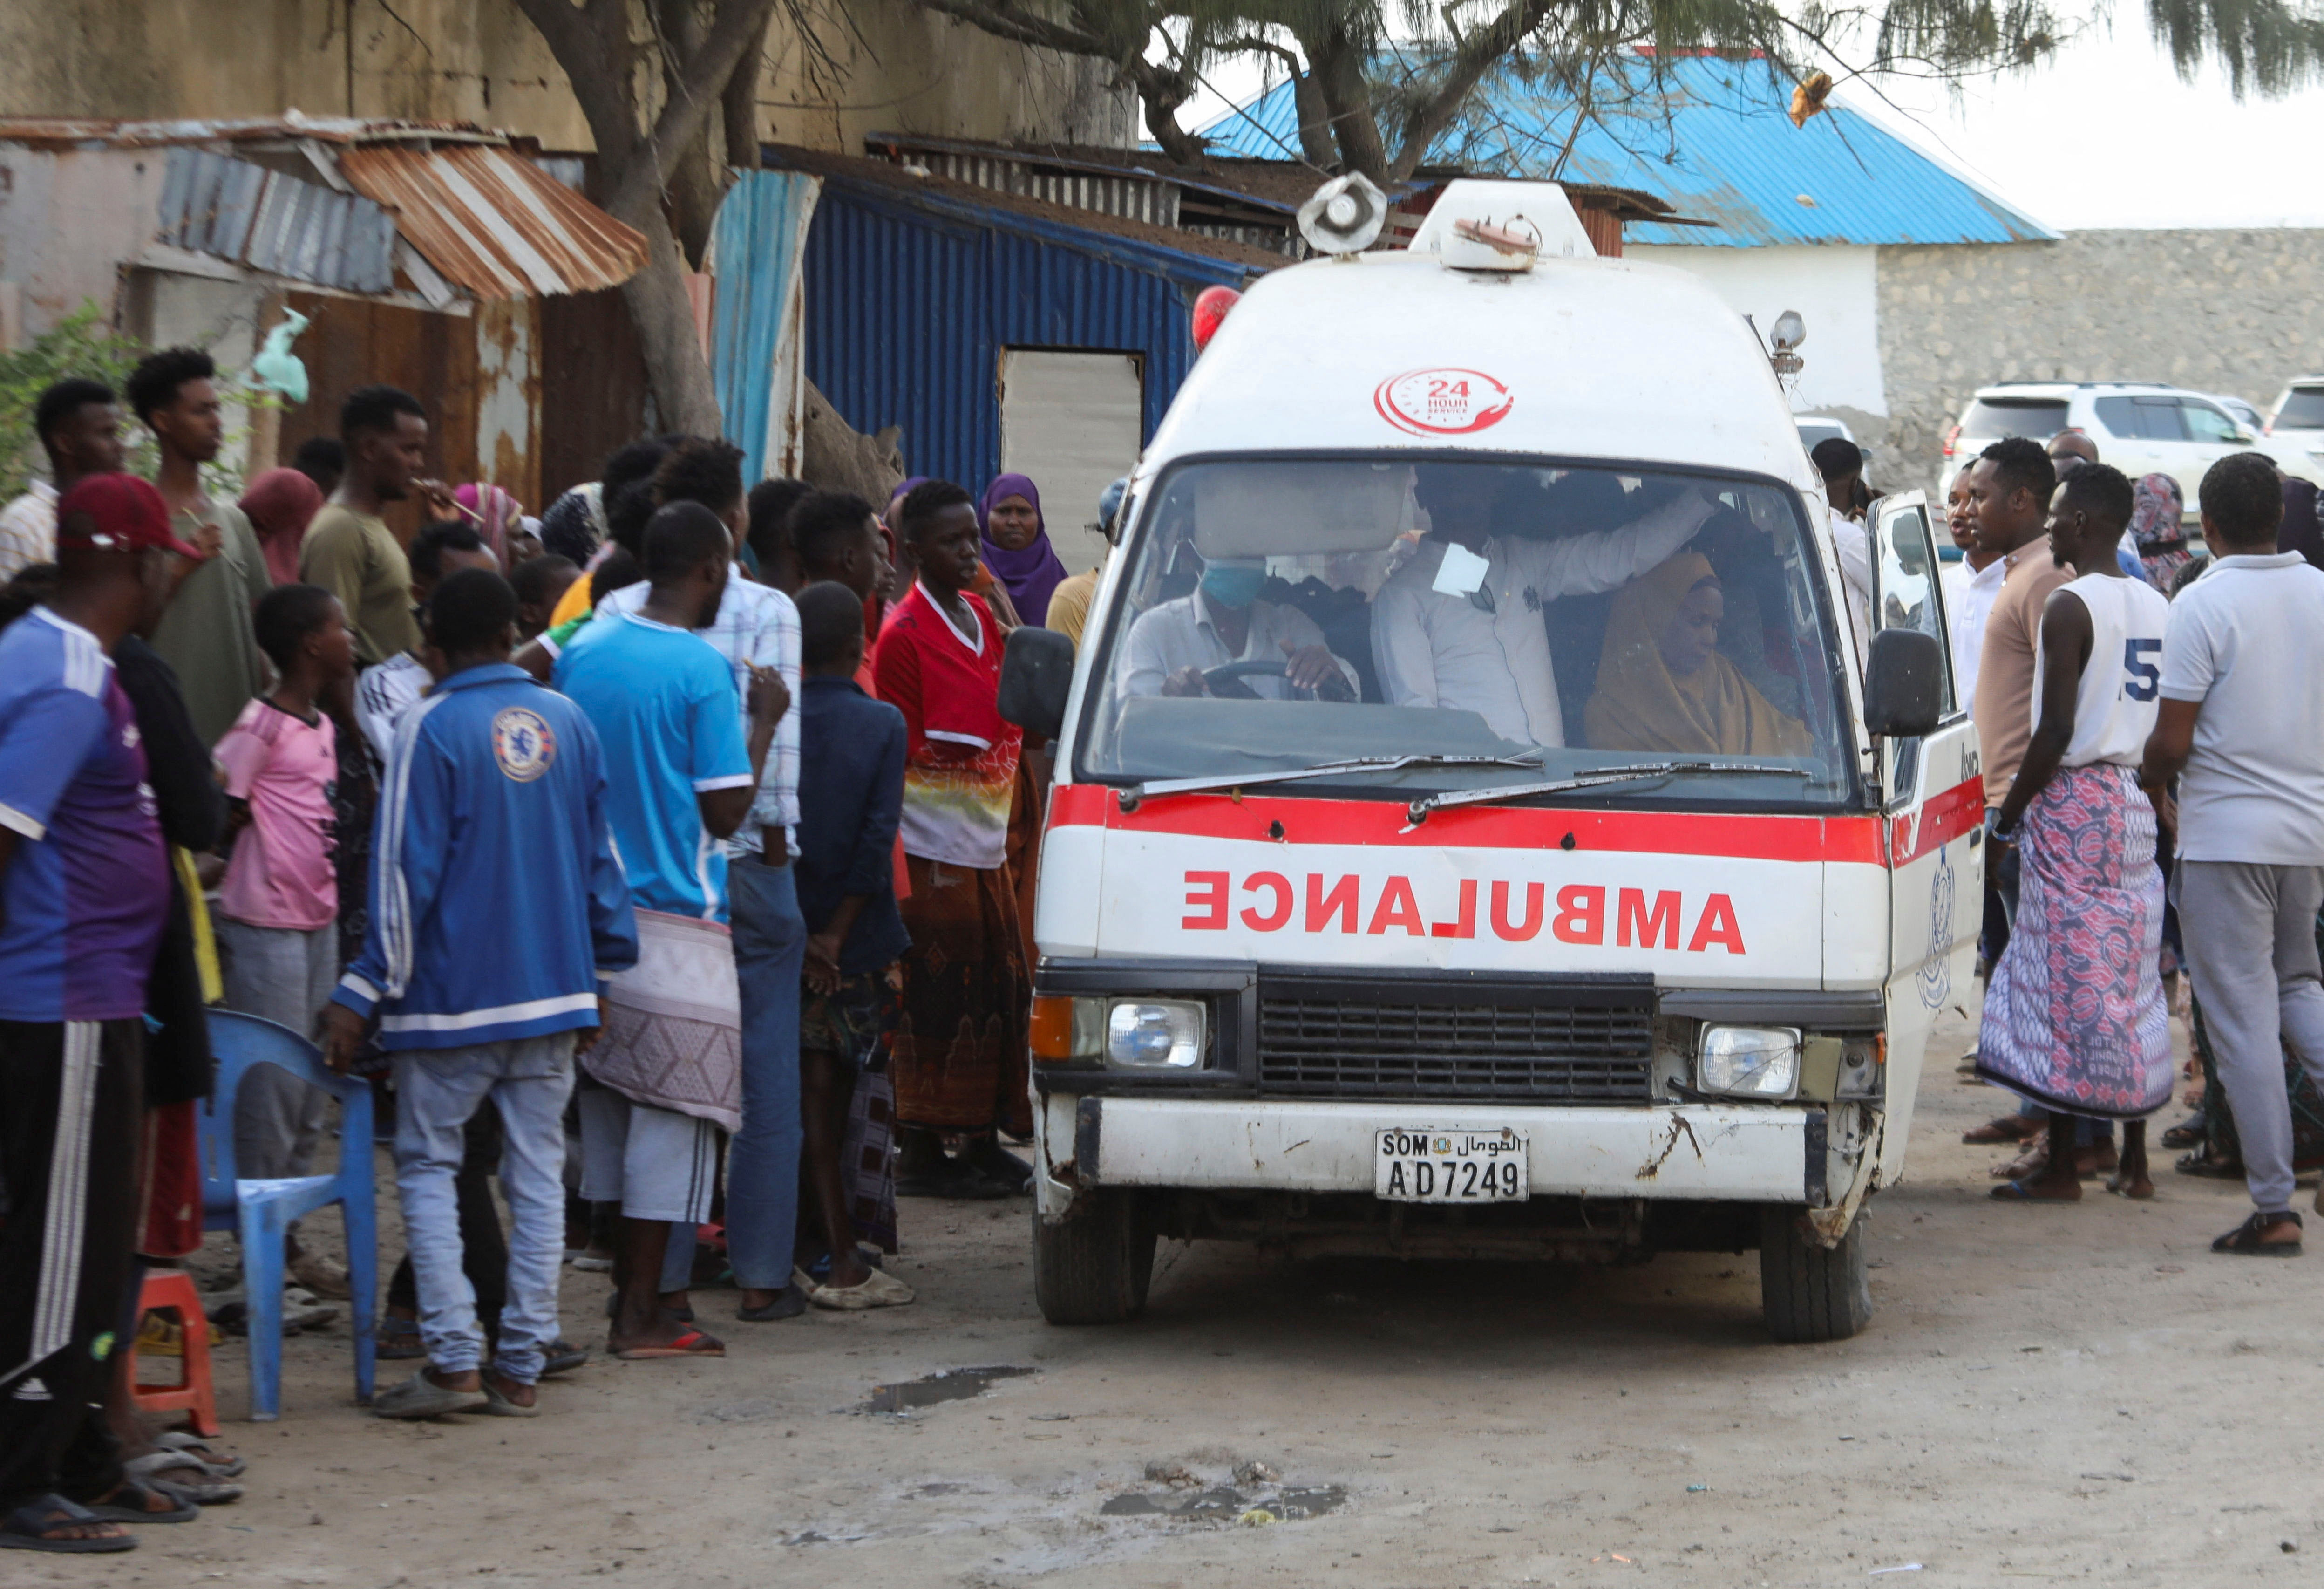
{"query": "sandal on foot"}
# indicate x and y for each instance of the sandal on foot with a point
(132, 1502)
(2021, 1192)
(498, 1405)
(562, 1357)
(222, 1465)
(877, 1290)
(186, 1474)
(2186, 1133)
(2200, 1162)
(692, 1343)
(788, 1303)
(2244, 1239)
(2120, 1185)
(38, 1525)
(2006, 1128)
(420, 1397)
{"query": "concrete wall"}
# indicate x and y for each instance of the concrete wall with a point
(2235, 312)
(1836, 290)
(882, 65)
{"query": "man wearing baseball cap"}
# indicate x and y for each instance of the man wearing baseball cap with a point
(84, 891)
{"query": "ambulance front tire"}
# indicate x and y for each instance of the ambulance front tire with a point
(1807, 1292)
(1093, 1265)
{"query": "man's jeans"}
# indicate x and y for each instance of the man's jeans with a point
(2250, 931)
(437, 1090)
(762, 1163)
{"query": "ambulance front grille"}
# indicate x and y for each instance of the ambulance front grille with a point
(1544, 1054)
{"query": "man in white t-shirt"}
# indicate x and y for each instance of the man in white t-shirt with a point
(2242, 727)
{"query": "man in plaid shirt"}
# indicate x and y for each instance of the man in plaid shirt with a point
(757, 625)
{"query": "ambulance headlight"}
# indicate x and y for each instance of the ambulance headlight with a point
(1749, 1061)
(1155, 1034)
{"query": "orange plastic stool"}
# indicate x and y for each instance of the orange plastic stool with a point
(171, 1290)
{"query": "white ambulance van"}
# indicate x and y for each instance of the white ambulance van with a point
(1473, 832)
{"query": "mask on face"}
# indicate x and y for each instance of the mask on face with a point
(1233, 584)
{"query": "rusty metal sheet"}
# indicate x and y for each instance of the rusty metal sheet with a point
(492, 223)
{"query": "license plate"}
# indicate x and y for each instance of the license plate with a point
(1449, 1166)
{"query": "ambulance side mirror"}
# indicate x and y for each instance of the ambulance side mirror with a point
(1903, 684)
(1037, 676)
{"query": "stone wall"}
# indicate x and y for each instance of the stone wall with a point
(2233, 312)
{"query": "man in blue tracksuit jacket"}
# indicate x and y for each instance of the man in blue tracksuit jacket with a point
(497, 907)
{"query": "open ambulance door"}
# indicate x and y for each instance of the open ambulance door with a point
(1934, 823)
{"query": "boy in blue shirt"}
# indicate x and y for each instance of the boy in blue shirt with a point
(850, 799)
(498, 910)
(682, 776)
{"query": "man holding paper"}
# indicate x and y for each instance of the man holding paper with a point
(1460, 626)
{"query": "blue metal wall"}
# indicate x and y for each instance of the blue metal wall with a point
(911, 299)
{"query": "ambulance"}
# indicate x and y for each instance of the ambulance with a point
(1481, 827)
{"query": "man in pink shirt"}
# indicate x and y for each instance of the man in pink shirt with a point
(279, 907)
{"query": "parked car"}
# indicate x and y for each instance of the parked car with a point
(2299, 412)
(2141, 428)
(1815, 428)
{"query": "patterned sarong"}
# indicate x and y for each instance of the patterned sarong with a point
(2074, 1018)
(674, 1023)
(959, 1057)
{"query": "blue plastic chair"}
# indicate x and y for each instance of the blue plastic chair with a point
(262, 1210)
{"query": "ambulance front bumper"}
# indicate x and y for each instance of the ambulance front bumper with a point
(1714, 1152)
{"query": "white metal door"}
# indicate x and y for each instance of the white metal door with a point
(1072, 424)
(1934, 822)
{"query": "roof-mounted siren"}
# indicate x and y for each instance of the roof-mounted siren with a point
(1785, 337)
(1345, 215)
(1482, 226)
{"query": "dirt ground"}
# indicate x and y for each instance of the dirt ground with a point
(2047, 1393)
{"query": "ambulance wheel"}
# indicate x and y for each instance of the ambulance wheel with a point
(1810, 1293)
(1093, 1266)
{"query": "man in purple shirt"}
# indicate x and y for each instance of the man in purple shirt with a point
(84, 891)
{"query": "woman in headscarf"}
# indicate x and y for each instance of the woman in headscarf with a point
(279, 505)
(1662, 684)
(1017, 545)
(499, 518)
(2157, 510)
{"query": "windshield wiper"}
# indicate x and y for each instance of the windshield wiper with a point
(1131, 796)
(1598, 777)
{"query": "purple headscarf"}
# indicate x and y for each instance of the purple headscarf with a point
(1031, 573)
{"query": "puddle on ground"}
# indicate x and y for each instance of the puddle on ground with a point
(954, 1384)
(1219, 1503)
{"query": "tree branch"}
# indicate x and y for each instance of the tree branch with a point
(1003, 19)
(1472, 58)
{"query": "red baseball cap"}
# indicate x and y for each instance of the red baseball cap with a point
(116, 512)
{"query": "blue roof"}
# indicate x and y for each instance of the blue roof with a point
(1727, 155)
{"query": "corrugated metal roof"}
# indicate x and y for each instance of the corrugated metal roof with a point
(214, 203)
(1733, 158)
(64, 131)
(913, 295)
(492, 223)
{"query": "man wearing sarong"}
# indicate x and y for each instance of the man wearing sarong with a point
(959, 1052)
(2074, 1019)
(680, 777)
(2242, 723)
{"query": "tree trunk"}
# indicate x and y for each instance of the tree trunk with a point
(1337, 68)
(739, 105)
(1316, 146)
(677, 374)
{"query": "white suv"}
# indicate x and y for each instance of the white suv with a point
(2299, 413)
(2141, 428)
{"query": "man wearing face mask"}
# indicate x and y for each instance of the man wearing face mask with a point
(1172, 647)
(1459, 627)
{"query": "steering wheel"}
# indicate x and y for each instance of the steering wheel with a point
(1227, 681)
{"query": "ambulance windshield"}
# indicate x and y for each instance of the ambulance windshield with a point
(1282, 613)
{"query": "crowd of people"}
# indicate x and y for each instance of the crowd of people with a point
(2152, 746)
(664, 859)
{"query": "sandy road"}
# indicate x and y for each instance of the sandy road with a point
(2047, 1394)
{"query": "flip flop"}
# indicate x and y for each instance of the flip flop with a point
(498, 1405)
(562, 1357)
(221, 1465)
(185, 1475)
(111, 1511)
(22, 1529)
(877, 1290)
(2017, 1192)
(788, 1303)
(692, 1343)
(418, 1396)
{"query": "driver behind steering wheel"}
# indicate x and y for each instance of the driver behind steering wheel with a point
(1224, 622)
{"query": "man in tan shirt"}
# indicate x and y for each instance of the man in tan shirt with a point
(349, 550)
(2009, 490)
